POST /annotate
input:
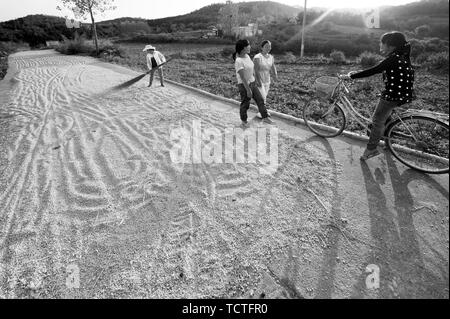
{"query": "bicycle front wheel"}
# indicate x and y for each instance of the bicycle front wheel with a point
(421, 143)
(324, 119)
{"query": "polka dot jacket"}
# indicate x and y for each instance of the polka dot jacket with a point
(398, 77)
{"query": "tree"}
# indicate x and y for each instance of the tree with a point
(82, 8)
(229, 17)
(127, 28)
(423, 30)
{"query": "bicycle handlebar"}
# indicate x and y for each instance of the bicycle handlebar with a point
(341, 83)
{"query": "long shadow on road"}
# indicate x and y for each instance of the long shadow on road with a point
(287, 276)
(325, 286)
(403, 273)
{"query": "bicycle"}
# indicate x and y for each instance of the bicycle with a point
(419, 139)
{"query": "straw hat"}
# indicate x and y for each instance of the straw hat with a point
(149, 47)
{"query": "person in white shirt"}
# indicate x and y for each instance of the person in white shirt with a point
(264, 66)
(245, 73)
(154, 60)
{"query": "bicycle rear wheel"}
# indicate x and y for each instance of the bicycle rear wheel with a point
(421, 143)
(324, 119)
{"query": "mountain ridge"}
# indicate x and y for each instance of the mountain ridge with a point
(36, 29)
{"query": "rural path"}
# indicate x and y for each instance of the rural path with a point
(92, 206)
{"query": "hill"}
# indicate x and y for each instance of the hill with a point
(276, 20)
(34, 29)
(431, 13)
(203, 18)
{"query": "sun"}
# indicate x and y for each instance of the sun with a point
(349, 3)
(356, 4)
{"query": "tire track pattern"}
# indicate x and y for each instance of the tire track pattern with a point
(89, 181)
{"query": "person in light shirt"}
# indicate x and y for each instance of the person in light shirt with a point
(264, 67)
(154, 60)
(245, 73)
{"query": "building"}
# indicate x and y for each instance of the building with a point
(213, 32)
(248, 31)
(51, 44)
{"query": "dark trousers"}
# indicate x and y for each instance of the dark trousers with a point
(381, 115)
(161, 75)
(245, 101)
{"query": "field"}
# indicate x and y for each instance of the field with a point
(210, 68)
(207, 68)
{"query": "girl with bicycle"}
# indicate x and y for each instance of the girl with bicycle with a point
(398, 77)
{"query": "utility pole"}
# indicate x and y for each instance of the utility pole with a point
(303, 32)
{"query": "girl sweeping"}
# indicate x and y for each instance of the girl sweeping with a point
(154, 60)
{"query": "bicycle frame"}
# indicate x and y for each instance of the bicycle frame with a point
(402, 116)
(339, 98)
(342, 101)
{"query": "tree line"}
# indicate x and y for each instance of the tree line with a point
(424, 19)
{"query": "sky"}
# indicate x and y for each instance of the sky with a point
(152, 9)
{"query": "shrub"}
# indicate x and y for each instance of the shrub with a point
(289, 57)
(169, 38)
(369, 59)
(338, 57)
(435, 45)
(326, 46)
(3, 65)
(201, 56)
(438, 61)
(79, 45)
(423, 30)
(417, 47)
(422, 58)
(409, 34)
(8, 47)
(227, 52)
(107, 49)
(322, 58)
(76, 46)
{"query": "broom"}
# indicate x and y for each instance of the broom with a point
(136, 79)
